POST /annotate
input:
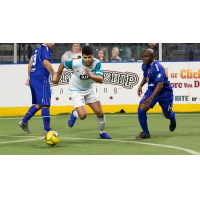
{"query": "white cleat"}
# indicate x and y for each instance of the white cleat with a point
(24, 126)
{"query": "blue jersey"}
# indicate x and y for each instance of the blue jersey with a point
(38, 69)
(156, 73)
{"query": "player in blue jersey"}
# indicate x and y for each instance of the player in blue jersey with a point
(86, 71)
(39, 69)
(159, 90)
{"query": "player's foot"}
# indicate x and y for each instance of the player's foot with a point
(172, 126)
(24, 126)
(72, 120)
(143, 136)
(104, 135)
(45, 132)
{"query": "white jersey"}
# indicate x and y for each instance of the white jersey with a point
(79, 80)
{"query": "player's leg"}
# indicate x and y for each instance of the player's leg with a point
(168, 113)
(31, 112)
(80, 111)
(44, 102)
(142, 116)
(92, 99)
(97, 108)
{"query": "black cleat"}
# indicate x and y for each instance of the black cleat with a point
(172, 126)
(143, 136)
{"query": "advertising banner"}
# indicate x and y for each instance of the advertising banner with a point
(118, 93)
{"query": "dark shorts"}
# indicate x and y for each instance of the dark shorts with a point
(41, 92)
(165, 103)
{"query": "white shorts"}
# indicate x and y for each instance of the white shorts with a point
(84, 98)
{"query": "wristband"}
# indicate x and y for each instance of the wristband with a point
(140, 86)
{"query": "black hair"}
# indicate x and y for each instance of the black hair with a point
(87, 50)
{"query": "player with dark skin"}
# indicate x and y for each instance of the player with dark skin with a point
(148, 58)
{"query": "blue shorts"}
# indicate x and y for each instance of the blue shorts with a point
(41, 92)
(165, 103)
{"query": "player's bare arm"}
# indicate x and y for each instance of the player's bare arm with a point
(98, 78)
(155, 92)
(59, 73)
(29, 71)
(49, 67)
(141, 85)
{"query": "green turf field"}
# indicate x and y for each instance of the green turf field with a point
(83, 138)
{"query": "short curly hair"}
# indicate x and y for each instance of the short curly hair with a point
(87, 50)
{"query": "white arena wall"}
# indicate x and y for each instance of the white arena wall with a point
(119, 90)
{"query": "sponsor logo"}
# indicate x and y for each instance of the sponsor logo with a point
(151, 84)
(144, 96)
(181, 98)
(159, 76)
(125, 79)
(148, 71)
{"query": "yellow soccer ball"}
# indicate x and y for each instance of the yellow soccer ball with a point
(52, 138)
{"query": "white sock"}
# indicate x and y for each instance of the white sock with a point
(76, 114)
(101, 123)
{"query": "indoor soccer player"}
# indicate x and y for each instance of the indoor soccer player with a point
(86, 71)
(39, 69)
(159, 90)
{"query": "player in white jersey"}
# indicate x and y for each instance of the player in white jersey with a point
(86, 71)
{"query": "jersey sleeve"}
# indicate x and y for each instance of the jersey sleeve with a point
(159, 72)
(98, 69)
(45, 54)
(68, 64)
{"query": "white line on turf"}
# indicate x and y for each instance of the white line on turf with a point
(160, 145)
(21, 118)
(16, 136)
(130, 115)
(21, 140)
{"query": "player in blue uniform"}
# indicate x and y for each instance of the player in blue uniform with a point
(159, 90)
(39, 69)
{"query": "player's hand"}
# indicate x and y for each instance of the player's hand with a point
(139, 92)
(27, 81)
(87, 72)
(148, 101)
(55, 81)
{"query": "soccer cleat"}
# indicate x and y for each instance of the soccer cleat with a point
(143, 136)
(172, 126)
(24, 126)
(45, 132)
(72, 119)
(105, 136)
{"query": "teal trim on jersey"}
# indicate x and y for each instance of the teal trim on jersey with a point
(83, 63)
(81, 90)
(99, 73)
(98, 69)
(68, 64)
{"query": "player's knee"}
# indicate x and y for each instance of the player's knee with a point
(142, 107)
(82, 116)
(100, 114)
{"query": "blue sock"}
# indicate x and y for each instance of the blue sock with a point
(172, 117)
(142, 116)
(46, 119)
(31, 112)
